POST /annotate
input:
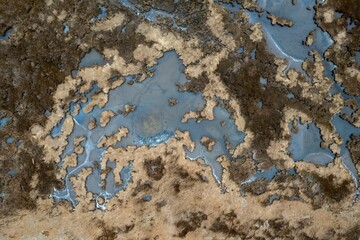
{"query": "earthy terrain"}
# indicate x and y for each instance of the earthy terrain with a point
(302, 201)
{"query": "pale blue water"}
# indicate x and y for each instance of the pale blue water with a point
(47, 113)
(267, 175)
(253, 54)
(263, 81)
(305, 145)
(350, 24)
(287, 42)
(153, 122)
(102, 15)
(273, 198)
(292, 171)
(345, 129)
(290, 96)
(233, 8)
(357, 58)
(147, 198)
(66, 28)
(92, 58)
(338, 14)
(6, 34)
(3, 121)
(74, 73)
(56, 131)
(12, 172)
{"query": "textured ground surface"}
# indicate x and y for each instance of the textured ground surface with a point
(84, 149)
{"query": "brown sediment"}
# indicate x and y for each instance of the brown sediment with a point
(172, 102)
(310, 38)
(190, 222)
(243, 82)
(258, 187)
(113, 139)
(92, 124)
(107, 233)
(142, 186)
(196, 84)
(34, 74)
(209, 211)
(349, 7)
(37, 57)
(110, 24)
(280, 21)
(342, 52)
(105, 118)
(208, 143)
(129, 109)
(155, 168)
(354, 148)
(241, 169)
(186, 200)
